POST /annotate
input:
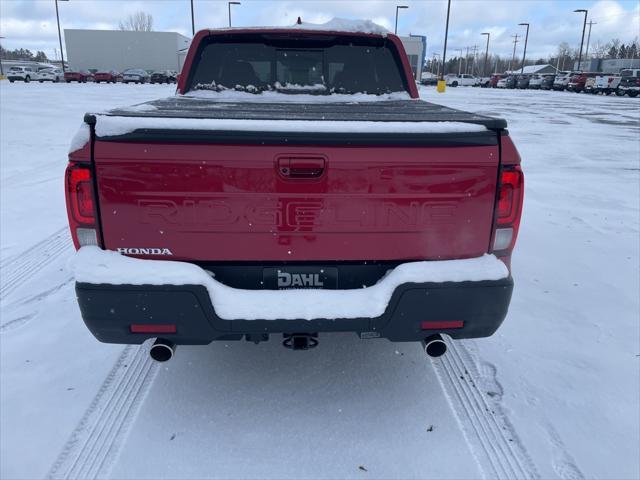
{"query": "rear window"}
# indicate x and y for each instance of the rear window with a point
(322, 66)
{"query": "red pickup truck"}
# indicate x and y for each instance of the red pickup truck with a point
(295, 185)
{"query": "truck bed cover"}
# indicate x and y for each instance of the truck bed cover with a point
(384, 111)
(403, 111)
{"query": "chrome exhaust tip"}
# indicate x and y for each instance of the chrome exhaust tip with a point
(434, 346)
(162, 350)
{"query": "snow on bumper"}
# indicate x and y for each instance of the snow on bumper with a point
(99, 267)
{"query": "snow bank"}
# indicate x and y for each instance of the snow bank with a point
(81, 138)
(279, 97)
(108, 126)
(93, 265)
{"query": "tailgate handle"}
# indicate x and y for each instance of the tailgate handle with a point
(301, 167)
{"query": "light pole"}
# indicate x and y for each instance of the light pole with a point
(229, 5)
(486, 53)
(398, 7)
(584, 26)
(59, 34)
(526, 39)
(459, 61)
(441, 83)
(193, 22)
(586, 54)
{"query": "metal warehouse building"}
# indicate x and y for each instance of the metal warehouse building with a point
(119, 50)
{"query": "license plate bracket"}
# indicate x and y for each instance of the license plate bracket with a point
(292, 277)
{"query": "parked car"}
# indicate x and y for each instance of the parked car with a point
(590, 85)
(463, 80)
(562, 80)
(428, 78)
(578, 80)
(606, 83)
(163, 76)
(511, 81)
(50, 75)
(110, 76)
(484, 82)
(25, 74)
(535, 81)
(547, 82)
(135, 75)
(629, 82)
(80, 76)
(301, 213)
(495, 78)
(523, 81)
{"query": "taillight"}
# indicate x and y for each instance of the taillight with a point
(80, 194)
(508, 209)
(81, 206)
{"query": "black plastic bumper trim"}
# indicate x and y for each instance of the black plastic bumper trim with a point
(109, 310)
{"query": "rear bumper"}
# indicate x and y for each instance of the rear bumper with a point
(416, 310)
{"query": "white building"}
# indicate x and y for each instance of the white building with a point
(119, 50)
(415, 46)
(533, 69)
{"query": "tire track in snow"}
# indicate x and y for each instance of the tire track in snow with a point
(18, 269)
(490, 435)
(95, 442)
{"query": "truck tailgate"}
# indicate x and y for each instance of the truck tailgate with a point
(234, 202)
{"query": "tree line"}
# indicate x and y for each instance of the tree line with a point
(23, 54)
(563, 58)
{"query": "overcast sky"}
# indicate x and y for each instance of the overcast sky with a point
(32, 23)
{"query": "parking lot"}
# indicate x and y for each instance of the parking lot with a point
(556, 384)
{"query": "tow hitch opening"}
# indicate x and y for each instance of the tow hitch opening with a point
(300, 341)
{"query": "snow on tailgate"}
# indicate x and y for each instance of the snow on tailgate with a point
(96, 266)
(111, 126)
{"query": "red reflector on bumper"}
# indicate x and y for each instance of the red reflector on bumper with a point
(142, 328)
(442, 325)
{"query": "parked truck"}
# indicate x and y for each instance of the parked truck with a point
(629, 82)
(295, 185)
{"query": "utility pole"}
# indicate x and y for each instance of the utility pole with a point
(586, 55)
(584, 26)
(1, 69)
(398, 7)
(513, 57)
(60, 35)
(437, 62)
(486, 54)
(466, 62)
(526, 39)
(473, 58)
(459, 61)
(441, 83)
(193, 22)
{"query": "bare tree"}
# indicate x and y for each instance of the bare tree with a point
(138, 22)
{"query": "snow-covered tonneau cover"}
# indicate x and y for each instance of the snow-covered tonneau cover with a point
(186, 118)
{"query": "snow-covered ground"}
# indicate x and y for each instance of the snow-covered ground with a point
(554, 394)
